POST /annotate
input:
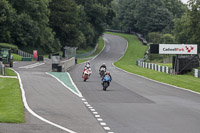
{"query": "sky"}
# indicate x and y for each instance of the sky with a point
(184, 1)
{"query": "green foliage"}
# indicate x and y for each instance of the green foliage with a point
(187, 27)
(48, 25)
(6, 45)
(154, 37)
(167, 39)
(147, 16)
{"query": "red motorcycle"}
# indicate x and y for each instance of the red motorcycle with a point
(86, 74)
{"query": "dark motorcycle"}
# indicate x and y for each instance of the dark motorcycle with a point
(102, 72)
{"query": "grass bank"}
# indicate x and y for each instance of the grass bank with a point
(99, 48)
(136, 51)
(11, 106)
(17, 57)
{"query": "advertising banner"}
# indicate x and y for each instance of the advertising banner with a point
(177, 49)
(35, 54)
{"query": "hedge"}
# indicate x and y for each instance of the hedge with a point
(6, 45)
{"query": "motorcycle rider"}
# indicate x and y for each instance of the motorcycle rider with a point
(87, 64)
(107, 74)
(102, 66)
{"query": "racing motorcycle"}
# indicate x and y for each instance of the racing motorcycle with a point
(86, 73)
(102, 72)
(106, 82)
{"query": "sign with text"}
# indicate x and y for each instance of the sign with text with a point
(177, 49)
(35, 54)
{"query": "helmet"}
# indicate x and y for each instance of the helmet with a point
(107, 72)
(104, 63)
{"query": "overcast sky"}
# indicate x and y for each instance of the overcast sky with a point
(184, 1)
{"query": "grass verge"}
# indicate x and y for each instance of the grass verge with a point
(10, 72)
(11, 106)
(99, 48)
(136, 50)
(17, 57)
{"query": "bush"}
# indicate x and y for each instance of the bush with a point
(167, 39)
(154, 37)
(6, 45)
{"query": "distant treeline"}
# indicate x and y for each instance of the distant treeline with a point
(160, 21)
(48, 25)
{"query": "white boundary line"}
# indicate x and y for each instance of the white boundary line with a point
(12, 77)
(32, 65)
(78, 94)
(151, 79)
(33, 113)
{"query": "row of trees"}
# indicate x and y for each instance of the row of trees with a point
(51, 24)
(160, 21)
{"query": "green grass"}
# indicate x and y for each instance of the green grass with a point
(10, 72)
(11, 106)
(81, 51)
(136, 50)
(165, 64)
(99, 48)
(17, 57)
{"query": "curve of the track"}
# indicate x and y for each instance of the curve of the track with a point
(136, 105)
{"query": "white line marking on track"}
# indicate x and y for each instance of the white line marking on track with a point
(33, 113)
(106, 128)
(97, 116)
(12, 77)
(103, 123)
(99, 119)
(32, 65)
(95, 113)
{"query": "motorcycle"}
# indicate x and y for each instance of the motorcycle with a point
(106, 82)
(102, 72)
(86, 74)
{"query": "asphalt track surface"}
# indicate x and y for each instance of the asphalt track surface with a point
(134, 104)
(131, 104)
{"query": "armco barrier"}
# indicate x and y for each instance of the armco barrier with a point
(67, 64)
(87, 54)
(155, 67)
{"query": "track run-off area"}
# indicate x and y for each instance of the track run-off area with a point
(62, 102)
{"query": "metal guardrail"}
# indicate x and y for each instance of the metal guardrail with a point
(2, 69)
(24, 54)
(87, 54)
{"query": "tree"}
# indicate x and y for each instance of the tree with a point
(7, 18)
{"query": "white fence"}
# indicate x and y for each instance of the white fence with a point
(196, 73)
(24, 54)
(155, 67)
